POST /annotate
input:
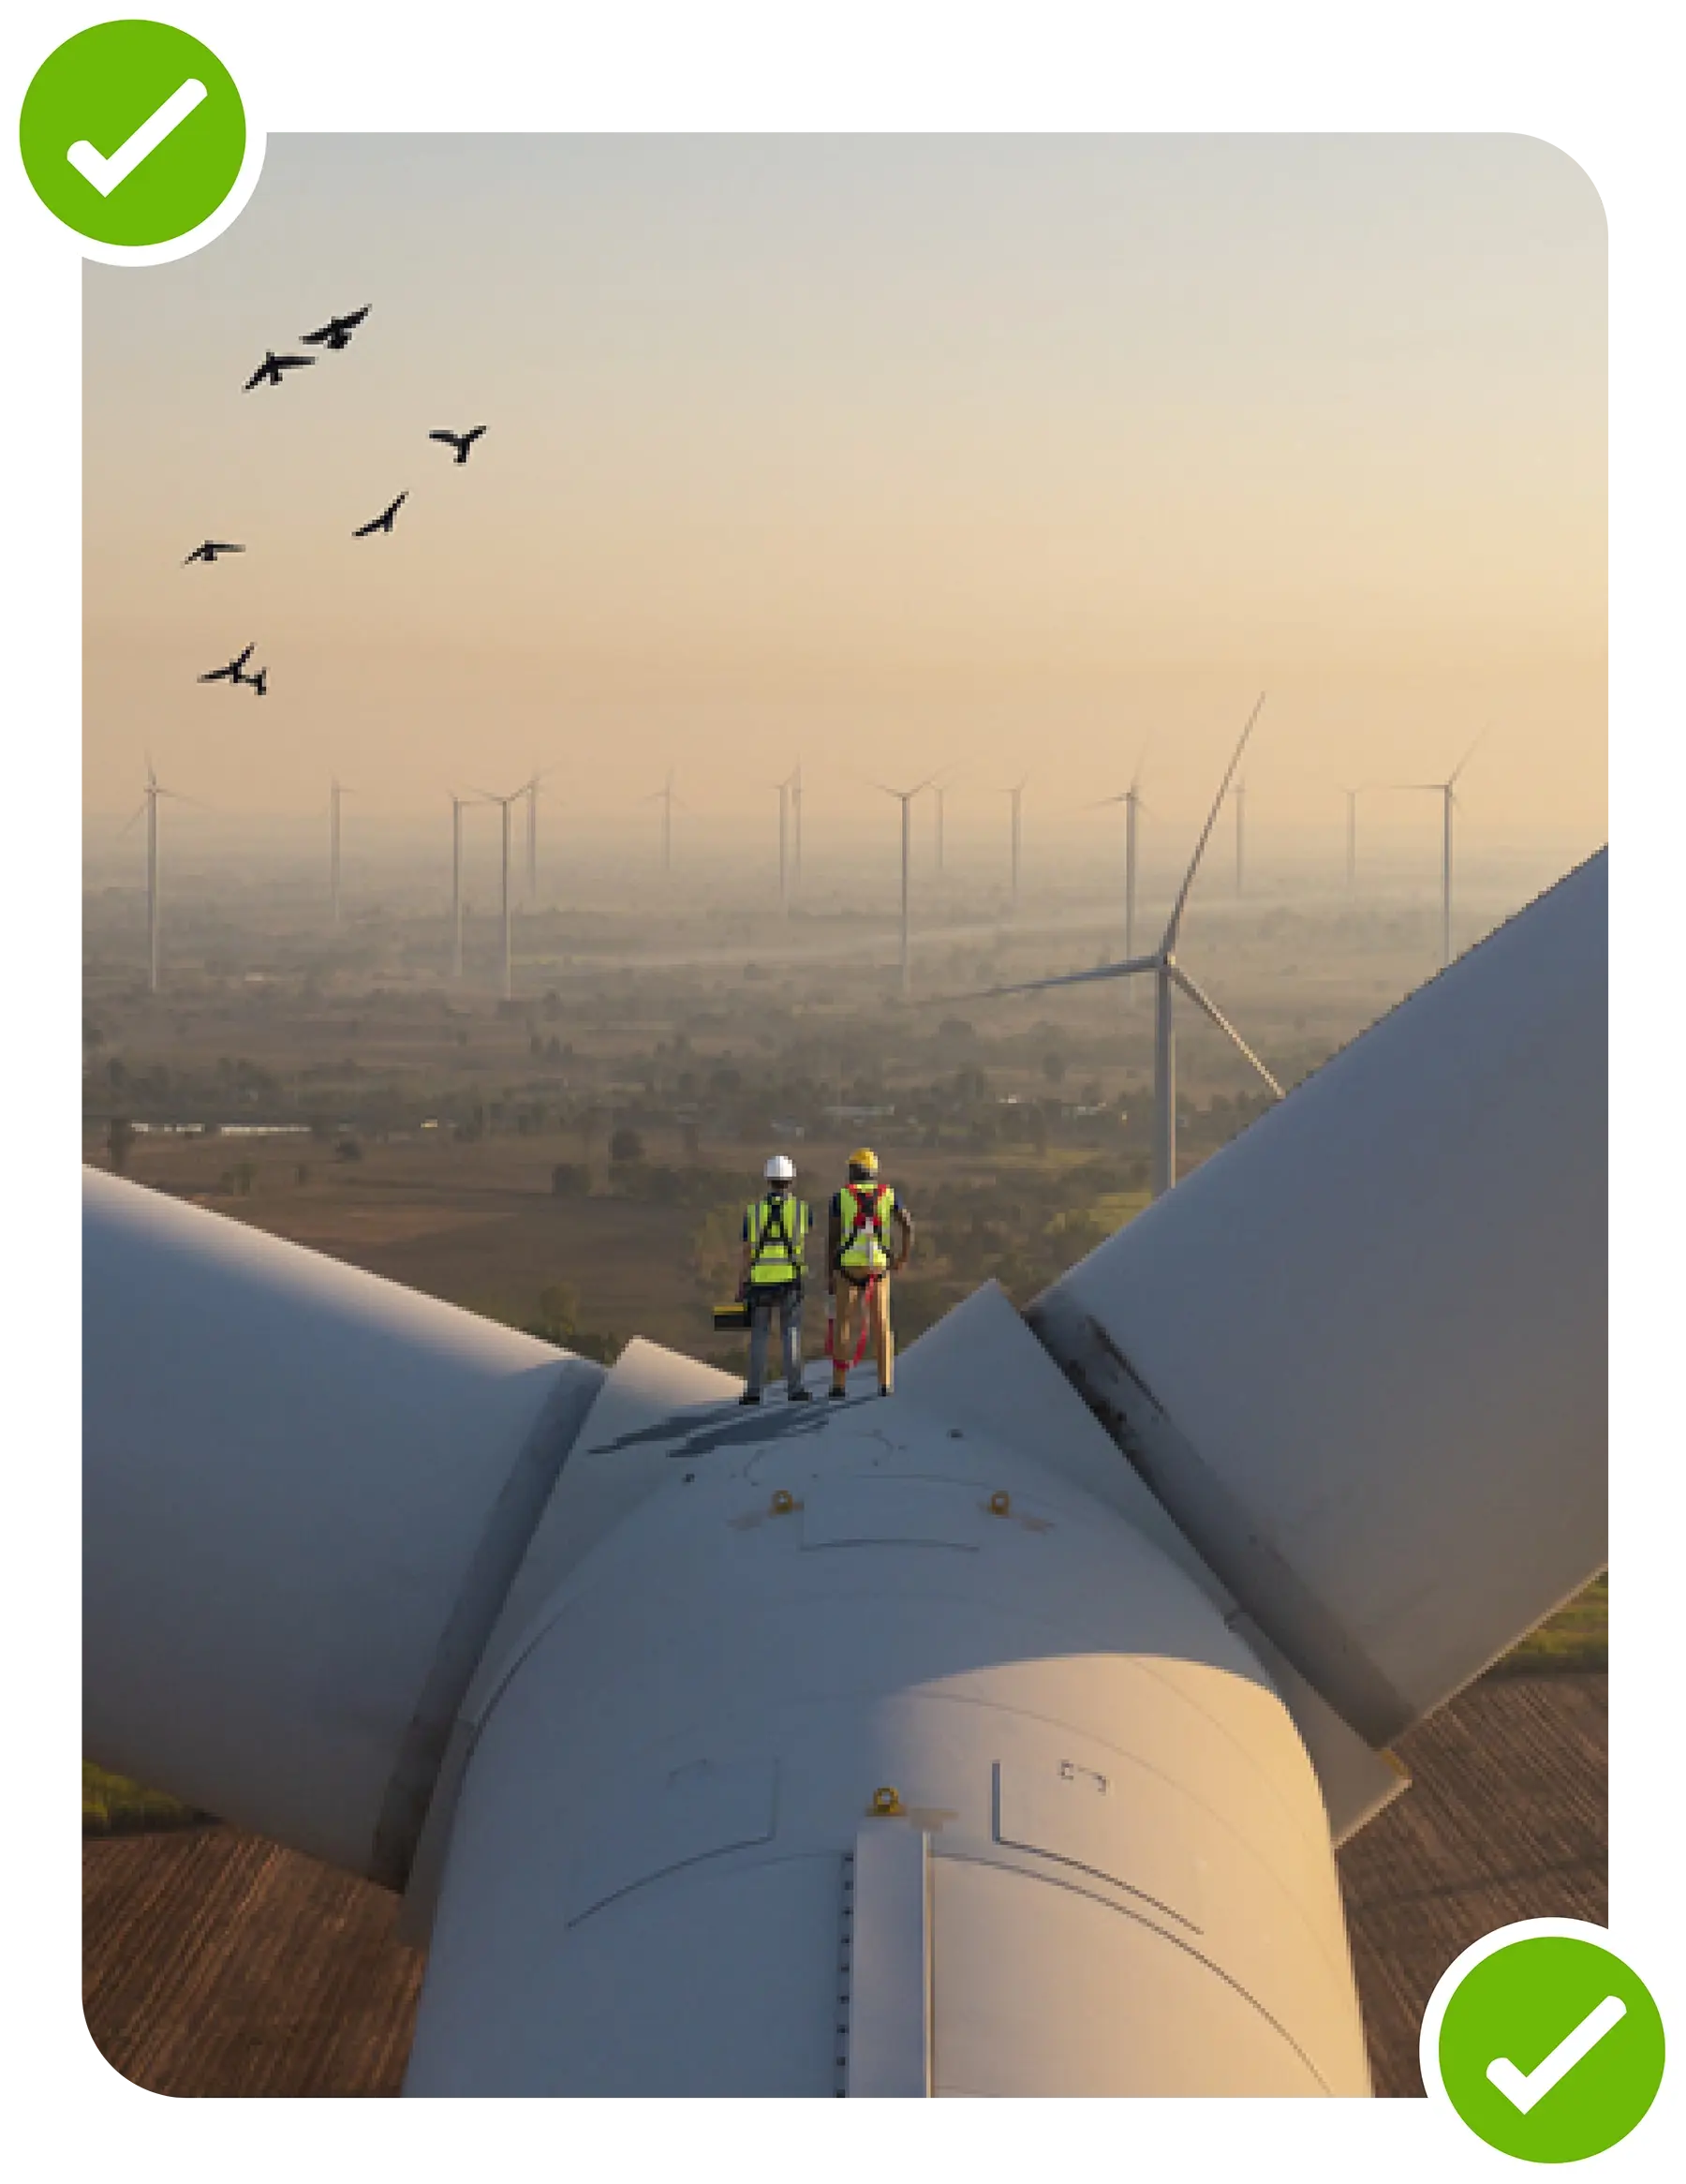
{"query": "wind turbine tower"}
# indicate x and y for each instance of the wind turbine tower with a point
(797, 824)
(504, 805)
(905, 798)
(1016, 793)
(458, 804)
(664, 796)
(148, 809)
(1168, 975)
(784, 846)
(151, 879)
(335, 791)
(1133, 808)
(531, 793)
(1446, 791)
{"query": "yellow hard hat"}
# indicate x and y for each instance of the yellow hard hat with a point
(865, 1160)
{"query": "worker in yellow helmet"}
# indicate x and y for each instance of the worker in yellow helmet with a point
(869, 1238)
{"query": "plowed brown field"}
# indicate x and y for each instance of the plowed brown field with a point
(216, 1964)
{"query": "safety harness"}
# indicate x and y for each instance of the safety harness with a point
(867, 1201)
(769, 1227)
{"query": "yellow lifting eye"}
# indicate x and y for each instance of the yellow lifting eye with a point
(783, 1503)
(1001, 1503)
(886, 1803)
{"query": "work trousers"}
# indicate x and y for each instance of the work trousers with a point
(851, 1302)
(788, 1302)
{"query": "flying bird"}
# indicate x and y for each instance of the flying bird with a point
(383, 522)
(232, 672)
(337, 333)
(210, 550)
(461, 441)
(259, 681)
(272, 367)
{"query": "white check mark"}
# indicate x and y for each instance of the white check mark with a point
(105, 174)
(1524, 2092)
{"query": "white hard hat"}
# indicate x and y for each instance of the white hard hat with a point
(780, 1170)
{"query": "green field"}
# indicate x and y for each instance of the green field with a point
(1615, 1624)
(112, 1806)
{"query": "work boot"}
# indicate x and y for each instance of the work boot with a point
(838, 1394)
(799, 1396)
(750, 1395)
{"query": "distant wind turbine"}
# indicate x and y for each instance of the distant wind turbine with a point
(666, 798)
(796, 826)
(905, 798)
(504, 805)
(939, 790)
(1352, 793)
(337, 789)
(784, 789)
(1168, 975)
(458, 806)
(149, 807)
(1017, 794)
(1444, 790)
(531, 793)
(1133, 808)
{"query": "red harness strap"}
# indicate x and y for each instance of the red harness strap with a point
(866, 1288)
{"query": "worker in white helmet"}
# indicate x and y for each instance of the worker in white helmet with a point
(771, 1271)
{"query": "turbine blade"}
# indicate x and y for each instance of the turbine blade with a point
(1467, 757)
(1205, 833)
(1129, 969)
(1211, 1009)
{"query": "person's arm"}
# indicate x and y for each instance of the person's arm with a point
(904, 1222)
(833, 1243)
(744, 1255)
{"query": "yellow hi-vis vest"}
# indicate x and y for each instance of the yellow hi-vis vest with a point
(868, 1211)
(778, 1228)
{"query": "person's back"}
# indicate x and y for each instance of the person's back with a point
(869, 1236)
(772, 1269)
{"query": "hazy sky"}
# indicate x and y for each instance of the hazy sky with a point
(891, 451)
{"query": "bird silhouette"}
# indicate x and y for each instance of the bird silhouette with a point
(383, 522)
(337, 333)
(259, 681)
(272, 367)
(461, 441)
(210, 550)
(232, 672)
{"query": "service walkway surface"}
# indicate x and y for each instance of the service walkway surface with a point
(216, 1964)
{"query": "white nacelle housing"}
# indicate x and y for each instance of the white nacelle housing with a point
(1108, 1871)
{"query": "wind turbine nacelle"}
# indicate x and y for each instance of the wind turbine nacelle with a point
(868, 1751)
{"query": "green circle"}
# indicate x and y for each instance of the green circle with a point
(1524, 2005)
(102, 89)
